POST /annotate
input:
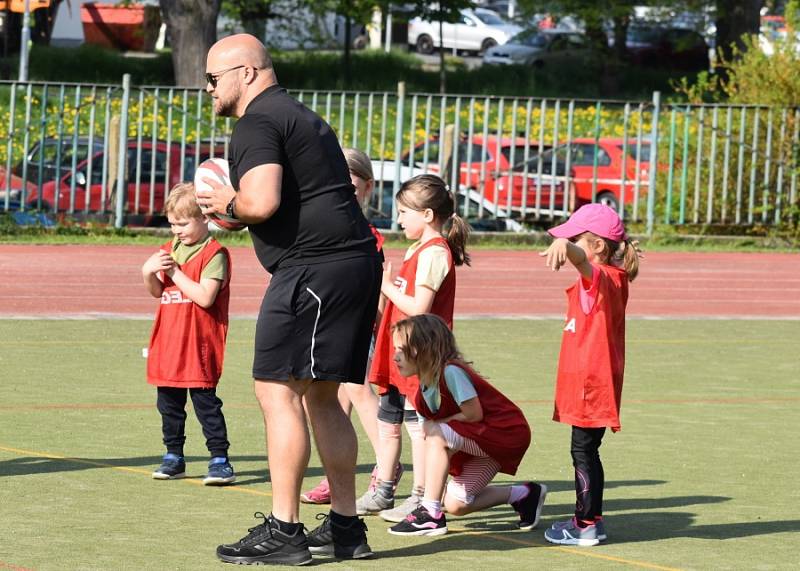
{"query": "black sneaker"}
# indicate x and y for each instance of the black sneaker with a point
(344, 542)
(266, 544)
(420, 522)
(529, 508)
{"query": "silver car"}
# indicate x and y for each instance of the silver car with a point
(542, 48)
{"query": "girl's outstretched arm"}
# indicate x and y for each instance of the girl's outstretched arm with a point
(562, 250)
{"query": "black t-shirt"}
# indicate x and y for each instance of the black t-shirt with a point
(319, 219)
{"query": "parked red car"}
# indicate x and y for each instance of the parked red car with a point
(612, 167)
(497, 168)
(151, 171)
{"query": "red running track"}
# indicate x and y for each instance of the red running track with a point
(103, 281)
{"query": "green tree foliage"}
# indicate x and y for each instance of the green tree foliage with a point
(750, 76)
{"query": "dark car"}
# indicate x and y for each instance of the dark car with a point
(672, 48)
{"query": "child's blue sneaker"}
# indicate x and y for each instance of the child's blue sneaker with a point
(220, 472)
(570, 533)
(172, 467)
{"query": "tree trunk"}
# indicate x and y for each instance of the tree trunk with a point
(192, 30)
(736, 18)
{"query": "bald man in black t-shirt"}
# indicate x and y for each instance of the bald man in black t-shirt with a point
(291, 186)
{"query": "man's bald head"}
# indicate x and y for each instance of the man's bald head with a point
(239, 68)
(240, 49)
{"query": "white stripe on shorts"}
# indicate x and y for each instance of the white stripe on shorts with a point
(314, 333)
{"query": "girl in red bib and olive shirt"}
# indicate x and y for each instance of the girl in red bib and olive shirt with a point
(426, 283)
(592, 360)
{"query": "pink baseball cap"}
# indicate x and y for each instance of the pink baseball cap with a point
(595, 218)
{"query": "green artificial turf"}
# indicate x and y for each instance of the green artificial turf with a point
(701, 476)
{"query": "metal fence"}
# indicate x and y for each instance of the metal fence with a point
(117, 149)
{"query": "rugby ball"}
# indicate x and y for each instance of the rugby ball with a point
(216, 169)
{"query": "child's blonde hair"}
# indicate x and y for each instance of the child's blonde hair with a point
(358, 163)
(429, 343)
(429, 191)
(181, 202)
(624, 254)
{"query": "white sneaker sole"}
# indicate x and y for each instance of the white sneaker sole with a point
(428, 532)
(218, 481)
(162, 476)
(573, 541)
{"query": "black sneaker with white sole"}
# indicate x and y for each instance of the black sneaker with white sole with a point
(342, 541)
(266, 544)
(420, 522)
(529, 508)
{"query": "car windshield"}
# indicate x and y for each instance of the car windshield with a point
(530, 38)
(490, 18)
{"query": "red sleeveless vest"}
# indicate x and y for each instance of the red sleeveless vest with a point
(187, 345)
(592, 360)
(384, 370)
(503, 432)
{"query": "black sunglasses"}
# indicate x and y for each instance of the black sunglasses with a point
(213, 78)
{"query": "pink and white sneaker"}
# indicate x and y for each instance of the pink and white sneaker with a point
(320, 494)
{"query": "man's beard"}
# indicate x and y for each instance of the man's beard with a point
(226, 108)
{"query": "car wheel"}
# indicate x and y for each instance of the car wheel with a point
(424, 44)
(487, 44)
(609, 200)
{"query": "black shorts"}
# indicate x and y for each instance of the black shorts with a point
(316, 321)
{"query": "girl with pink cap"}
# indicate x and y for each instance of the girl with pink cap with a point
(592, 359)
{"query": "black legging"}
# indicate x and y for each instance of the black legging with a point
(589, 477)
(208, 409)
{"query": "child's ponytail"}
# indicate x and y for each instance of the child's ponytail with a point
(630, 254)
(457, 235)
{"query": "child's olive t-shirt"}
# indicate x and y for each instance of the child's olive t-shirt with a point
(217, 267)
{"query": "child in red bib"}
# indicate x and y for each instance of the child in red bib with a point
(426, 283)
(592, 360)
(472, 431)
(190, 274)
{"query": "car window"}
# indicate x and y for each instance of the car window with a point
(519, 154)
(490, 18)
(50, 153)
(576, 41)
(467, 21)
(433, 153)
(147, 165)
(584, 155)
(644, 152)
(477, 155)
(560, 43)
(642, 35)
(530, 38)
